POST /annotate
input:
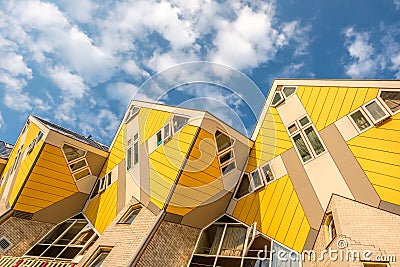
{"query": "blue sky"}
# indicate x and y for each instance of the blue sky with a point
(77, 63)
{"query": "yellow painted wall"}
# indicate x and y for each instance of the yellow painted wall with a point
(49, 182)
(117, 151)
(277, 210)
(200, 179)
(27, 163)
(378, 152)
(326, 105)
(102, 209)
(151, 121)
(272, 140)
(165, 163)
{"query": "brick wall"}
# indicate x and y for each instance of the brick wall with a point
(23, 234)
(171, 246)
(124, 238)
(364, 228)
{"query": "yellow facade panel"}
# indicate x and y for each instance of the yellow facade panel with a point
(287, 218)
(388, 194)
(151, 121)
(26, 208)
(319, 105)
(302, 236)
(294, 228)
(254, 208)
(347, 102)
(117, 151)
(315, 92)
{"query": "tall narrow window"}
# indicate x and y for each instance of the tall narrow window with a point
(159, 138)
(266, 170)
(256, 179)
(129, 158)
(330, 229)
(135, 149)
(305, 138)
(360, 120)
(244, 187)
(14, 166)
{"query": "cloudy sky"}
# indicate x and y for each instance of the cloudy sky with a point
(78, 63)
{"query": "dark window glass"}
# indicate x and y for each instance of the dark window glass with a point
(392, 99)
(223, 141)
(244, 187)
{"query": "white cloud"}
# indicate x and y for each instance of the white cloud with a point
(124, 92)
(72, 85)
(102, 123)
(396, 4)
(81, 11)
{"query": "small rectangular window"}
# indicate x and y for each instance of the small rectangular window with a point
(256, 180)
(109, 180)
(391, 99)
(314, 140)
(77, 165)
(376, 111)
(292, 128)
(289, 90)
(304, 121)
(266, 170)
(130, 214)
(81, 174)
(226, 157)
(159, 139)
(135, 153)
(129, 158)
(136, 137)
(99, 257)
(223, 141)
(167, 131)
(360, 120)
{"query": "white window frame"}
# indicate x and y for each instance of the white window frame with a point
(383, 101)
(301, 130)
(365, 116)
(132, 114)
(280, 101)
(370, 115)
(240, 181)
(172, 123)
(135, 142)
(129, 146)
(263, 174)
(253, 187)
(283, 93)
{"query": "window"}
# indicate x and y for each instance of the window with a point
(225, 152)
(34, 142)
(178, 122)
(159, 138)
(76, 161)
(330, 229)
(82, 174)
(278, 98)
(66, 240)
(130, 214)
(229, 243)
(289, 90)
(360, 120)
(305, 138)
(267, 172)
(99, 256)
(72, 153)
(376, 111)
(102, 184)
(392, 99)
(129, 158)
(5, 244)
(135, 149)
(167, 131)
(244, 187)
(14, 166)
(256, 180)
(132, 112)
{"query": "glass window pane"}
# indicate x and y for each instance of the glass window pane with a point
(267, 173)
(303, 121)
(71, 233)
(223, 141)
(129, 158)
(233, 243)
(98, 261)
(178, 122)
(72, 153)
(292, 128)
(136, 137)
(226, 157)
(289, 90)
(95, 190)
(244, 187)
(83, 237)
(136, 153)
(159, 138)
(277, 99)
(392, 99)
(77, 165)
(210, 240)
(375, 110)
(314, 140)
(70, 253)
(56, 232)
(360, 120)
(256, 179)
(37, 250)
(302, 148)
(228, 168)
(81, 174)
(53, 251)
(131, 216)
(109, 179)
(166, 131)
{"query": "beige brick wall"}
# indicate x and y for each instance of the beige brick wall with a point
(23, 234)
(364, 228)
(171, 246)
(124, 238)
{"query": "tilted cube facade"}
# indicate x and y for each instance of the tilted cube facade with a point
(318, 178)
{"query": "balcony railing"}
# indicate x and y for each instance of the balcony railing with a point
(8, 261)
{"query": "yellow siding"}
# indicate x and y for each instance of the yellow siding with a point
(27, 163)
(278, 213)
(271, 141)
(49, 182)
(151, 121)
(326, 105)
(378, 153)
(102, 209)
(165, 163)
(117, 152)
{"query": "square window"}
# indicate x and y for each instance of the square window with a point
(376, 111)
(226, 157)
(130, 215)
(391, 99)
(292, 128)
(256, 180)
(360, 120)
(304, 121)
